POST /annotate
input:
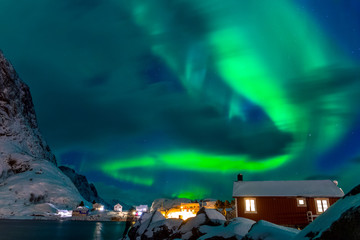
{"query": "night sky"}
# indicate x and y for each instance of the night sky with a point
(174, 98)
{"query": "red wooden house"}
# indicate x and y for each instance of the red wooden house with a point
(288, 203)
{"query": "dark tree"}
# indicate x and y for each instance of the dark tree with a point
(219, 204)
(81, 204)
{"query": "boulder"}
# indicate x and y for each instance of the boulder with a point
(263, 230)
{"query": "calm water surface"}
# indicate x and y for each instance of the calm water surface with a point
(54, 230)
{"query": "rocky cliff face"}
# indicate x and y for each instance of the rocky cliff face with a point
(86, 189)
(30, 182)
(18, 125)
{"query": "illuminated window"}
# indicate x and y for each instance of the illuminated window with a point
(250, 206)
(321, 204)
(301, 202)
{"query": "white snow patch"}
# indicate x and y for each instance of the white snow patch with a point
(238, 227)
(193, 223)
(264, 230)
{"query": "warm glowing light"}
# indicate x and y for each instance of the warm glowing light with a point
(325, 205)
(64, 213)
(250, 205)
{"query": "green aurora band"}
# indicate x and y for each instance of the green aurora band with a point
(258, 51)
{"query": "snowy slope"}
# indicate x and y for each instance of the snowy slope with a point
(263, 230)
(340, 221)
(29, 178)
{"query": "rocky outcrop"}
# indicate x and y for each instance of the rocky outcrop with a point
(154, 226)
(87, 190)
(30, 182)
(208, 224)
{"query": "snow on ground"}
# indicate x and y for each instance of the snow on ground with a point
(264, 230)
(148, 219)
(237, 228)
(215, 216)
(171, 224)
(25, 193)
(193, 223)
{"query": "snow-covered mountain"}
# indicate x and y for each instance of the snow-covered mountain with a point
(29, 177)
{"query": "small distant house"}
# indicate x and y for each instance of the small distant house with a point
(288, 203)
(98, 207)
(80, 212)
(142, 208)
(118, 208)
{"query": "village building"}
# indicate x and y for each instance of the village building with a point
(288, 203)
(118, 208)
(98, 207)
(80, 212)
(141, 209)
(184, 211)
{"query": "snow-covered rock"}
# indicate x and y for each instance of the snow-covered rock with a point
(162, 229)
(263, 230)
(191, 228)
(237, 228)
(154, 226)
(29, 178)
(340, 221)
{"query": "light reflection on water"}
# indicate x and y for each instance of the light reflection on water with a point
(56, 230)
(97, 231)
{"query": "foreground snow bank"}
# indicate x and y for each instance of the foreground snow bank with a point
(208, 224)
(237, 228)
(340, 221)
(264, 230)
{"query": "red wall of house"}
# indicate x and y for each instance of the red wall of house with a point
(280, 210)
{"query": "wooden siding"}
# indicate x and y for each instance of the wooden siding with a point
(280, 210)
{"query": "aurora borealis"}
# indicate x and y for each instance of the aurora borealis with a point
(173, 98)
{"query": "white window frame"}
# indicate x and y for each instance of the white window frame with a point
(321, 208)
(298, 202)
(252, 205)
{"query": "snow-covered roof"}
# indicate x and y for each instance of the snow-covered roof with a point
(306, 188)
